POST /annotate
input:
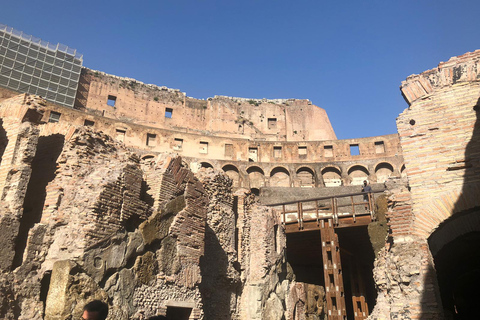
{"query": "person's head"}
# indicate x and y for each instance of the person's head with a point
(95, 310)
(157, 318)
(364, 182)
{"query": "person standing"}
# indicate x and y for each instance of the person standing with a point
(366, 189)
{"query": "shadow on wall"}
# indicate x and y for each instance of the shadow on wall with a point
(44, 165)
(216, 289)
(3, 140)
(455, 244)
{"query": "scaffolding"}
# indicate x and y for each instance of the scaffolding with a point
(29, 64)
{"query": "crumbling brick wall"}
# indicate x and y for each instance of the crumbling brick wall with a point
(20, 118)
(440, 140)
(98, 234)
(221, 286)
(261, 244)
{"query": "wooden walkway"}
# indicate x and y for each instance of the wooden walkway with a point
(346, 210)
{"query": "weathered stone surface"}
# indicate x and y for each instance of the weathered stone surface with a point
(144, 233)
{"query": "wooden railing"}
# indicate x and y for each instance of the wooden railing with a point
(346, 207)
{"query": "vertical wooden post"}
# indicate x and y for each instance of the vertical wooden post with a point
(332, 270)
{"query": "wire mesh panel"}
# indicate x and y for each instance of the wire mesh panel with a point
(29, 64)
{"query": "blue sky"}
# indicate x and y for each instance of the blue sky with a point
(348, 57)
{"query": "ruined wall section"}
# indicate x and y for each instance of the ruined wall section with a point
(223, 150)
(261, 246)
(174, 236)
(438, 141)
(20, 118)
(221, 285)
(91, 163)
(132, 101)
(19, 136)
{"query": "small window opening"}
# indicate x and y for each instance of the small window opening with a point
(272, 123)
(354, 150)
(151, 139)
(379, 147)
(178, 144)
(120, 135)
(277, 152)
(229, 150)
(253, 154)
(111, 101)
(302, 150)
(328, 151)
(54, 116)
(203, 147)
(88, 123)
(168, 113)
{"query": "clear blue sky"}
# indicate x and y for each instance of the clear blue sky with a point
(348, 57)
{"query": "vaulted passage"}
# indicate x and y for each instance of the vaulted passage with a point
(43, 171)
(455, 246)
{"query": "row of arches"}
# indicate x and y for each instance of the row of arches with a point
(305, 176)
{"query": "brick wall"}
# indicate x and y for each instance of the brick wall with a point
(439, 137)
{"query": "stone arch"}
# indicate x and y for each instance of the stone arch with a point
(455, 247)
(148, 156)
(256, 177)
(307, 176)
(205, 164)
(232, 172)
(383, 171)
(280, 177)
(358, 173)
(332, 176)
(442, 207)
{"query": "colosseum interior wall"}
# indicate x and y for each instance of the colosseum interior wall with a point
(232, 208)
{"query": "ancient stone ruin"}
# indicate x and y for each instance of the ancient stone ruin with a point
(231, 208)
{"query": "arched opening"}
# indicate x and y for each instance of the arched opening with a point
(280, 177)
(148, 157)
(403, 172)
(3, 140)
(358, 174)
(205, 165)
(383, 171)
(256, 177)
(306, 177)
(255, 191)
(332, 177)
(455, 246)
(232, 172)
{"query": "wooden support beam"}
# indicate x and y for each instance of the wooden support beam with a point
(332, 270)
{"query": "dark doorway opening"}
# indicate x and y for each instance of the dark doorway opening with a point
(304, 254)
(357, 258)
(178, 313)
(457, 264)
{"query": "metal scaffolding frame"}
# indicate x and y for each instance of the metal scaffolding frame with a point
(29, 64)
